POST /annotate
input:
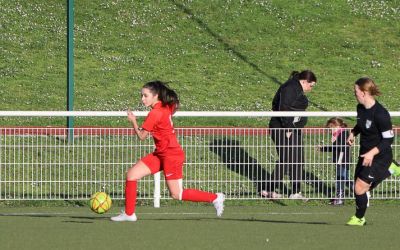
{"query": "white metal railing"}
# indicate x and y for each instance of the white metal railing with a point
(40, 164)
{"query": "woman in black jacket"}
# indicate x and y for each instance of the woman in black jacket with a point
(286, 132)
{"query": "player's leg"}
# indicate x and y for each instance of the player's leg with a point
(360, 190)
(367, 179)
(340, 179)
(135, 173)
(173, 171)
(296, 162)
(179, 193)
(361, 187)
(278, 137)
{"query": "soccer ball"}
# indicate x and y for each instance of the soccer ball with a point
(100, 202)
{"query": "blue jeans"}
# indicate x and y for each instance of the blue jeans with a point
(343, 178)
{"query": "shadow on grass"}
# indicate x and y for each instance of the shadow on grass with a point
(238, 220)
(239, 161)
(55, 215)
(278, 221)
(231, 49)
(220, 40)
(92, 219)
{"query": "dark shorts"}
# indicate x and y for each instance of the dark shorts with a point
(171, 162)
(373, 175)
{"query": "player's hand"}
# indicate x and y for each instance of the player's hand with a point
(350, 139)
(131, 116)
(288, 134)
(368, 158)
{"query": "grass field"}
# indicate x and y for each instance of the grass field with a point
(264, 226)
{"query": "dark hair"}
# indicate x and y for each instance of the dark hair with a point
(166, 95)
(368, 85)
(336, 121)
(304, 75)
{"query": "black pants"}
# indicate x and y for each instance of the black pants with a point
(291, 158)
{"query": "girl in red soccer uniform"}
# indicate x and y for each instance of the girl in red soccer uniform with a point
(168, 155)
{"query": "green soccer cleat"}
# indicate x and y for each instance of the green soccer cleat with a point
(394, 169)
(354, 221)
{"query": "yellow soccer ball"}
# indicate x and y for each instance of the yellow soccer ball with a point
(100, 202)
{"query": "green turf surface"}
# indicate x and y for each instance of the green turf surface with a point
(192, 226)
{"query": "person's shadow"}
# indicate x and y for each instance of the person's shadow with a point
(238, 160)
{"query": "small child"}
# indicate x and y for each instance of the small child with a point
(340, 156)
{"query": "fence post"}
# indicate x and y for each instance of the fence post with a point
(157, 194)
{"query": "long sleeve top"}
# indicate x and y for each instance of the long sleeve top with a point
(339, 148)
(375, 126)
(289, 97)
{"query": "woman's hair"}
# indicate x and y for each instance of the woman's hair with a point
(307, 75)
(336, 121)
(368, 85)
(166, 95)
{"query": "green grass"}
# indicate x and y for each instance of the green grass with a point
(218, 55)
(189, 226)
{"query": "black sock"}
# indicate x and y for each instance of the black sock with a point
(361, 205)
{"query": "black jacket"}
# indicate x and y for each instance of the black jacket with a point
(289, 97)
(340, 146)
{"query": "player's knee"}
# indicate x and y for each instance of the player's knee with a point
(130, 175)
(360, 189)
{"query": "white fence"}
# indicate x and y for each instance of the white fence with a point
(41, 164)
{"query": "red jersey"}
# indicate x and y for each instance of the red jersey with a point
(159, 123)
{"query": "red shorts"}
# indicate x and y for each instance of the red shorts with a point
(171, 162)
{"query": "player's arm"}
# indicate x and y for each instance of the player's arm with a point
(384, 126)
(356, 130)
(353, 133)
(369, 156)
(141, 133)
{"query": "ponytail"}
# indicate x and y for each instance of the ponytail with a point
(307, 75)
(368, 85)
(166, 95)
(294, 75)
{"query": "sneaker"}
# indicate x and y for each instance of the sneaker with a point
(338, 199)
(124, 217)
(219, 204)
(394, 168)
(298, 196)
(354, 221)
(270, 195)
(337, 202)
